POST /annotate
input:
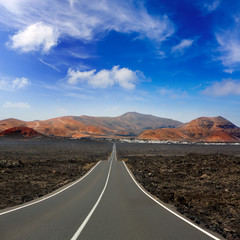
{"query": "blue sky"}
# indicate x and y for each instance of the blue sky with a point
(176, 59)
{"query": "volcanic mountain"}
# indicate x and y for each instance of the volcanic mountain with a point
(203, 129)
(129, 124)
(21, 132)
(9, 123)
(67, 127)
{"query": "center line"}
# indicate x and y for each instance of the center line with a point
(78, 232)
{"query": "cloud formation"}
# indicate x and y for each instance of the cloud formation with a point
(35, 37)
(229, 45)
(84, 20)
(123, 77)
(21, 105)
(15, 84)
(223, 88)
(49, 65)
(172, 93)
(211, 5)
(182, 46)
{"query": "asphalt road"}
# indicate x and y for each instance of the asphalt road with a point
(104, 205)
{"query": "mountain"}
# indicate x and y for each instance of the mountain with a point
(128, 124)
(9, 123)
(20, 132)
(205, 129)
(66, 127)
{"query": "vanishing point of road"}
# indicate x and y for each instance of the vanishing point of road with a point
(105, 204)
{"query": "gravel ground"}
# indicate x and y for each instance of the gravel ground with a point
(33, 168)
(203, 182)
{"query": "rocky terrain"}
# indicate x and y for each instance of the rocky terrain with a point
(203, 186)
(31, 168)
(204, 129)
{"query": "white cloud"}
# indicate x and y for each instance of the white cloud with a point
(71, 2)
(80, 96)
(167, 92)
(15, 84)
(211, 5)
(223, 88)
(14, 6)
(35, 37)
(229, 45)
(123, 77)
(84, 20)
(20, 83)
(228, 70)
(75, 76)
(22, 105)
(49, 65)
(160, 54)
(182, 46)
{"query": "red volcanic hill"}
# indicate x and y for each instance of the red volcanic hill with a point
(21, 132)
(203, 129)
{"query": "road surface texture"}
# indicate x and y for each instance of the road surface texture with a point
(106, 204)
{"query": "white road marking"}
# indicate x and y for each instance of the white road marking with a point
(113, 153)
(45, 198)
(78, 232)
(185, 220)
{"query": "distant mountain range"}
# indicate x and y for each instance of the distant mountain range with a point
(131, 124)
(128, 124)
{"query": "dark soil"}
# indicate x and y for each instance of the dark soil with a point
(32, 168)
(175, 149)
(203, 186)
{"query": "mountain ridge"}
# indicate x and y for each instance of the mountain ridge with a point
(133, 124)
(128, 124)
(203, 129)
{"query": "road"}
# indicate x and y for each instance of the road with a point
(106, 204)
